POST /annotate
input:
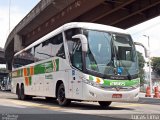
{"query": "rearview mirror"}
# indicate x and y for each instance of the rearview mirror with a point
(145, 49)
(83, 41)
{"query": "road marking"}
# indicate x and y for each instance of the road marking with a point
(17, 106)
(38, 105)
(51, 107)
(129, 105)
(57, 108)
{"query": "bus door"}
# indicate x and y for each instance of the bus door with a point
(75, 53)
(76, 83)
(40, 84)
(49, 82)
(76, 60)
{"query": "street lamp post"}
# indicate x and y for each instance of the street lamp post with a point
(149, 60)
(9, 15)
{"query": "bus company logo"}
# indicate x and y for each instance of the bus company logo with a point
(49, 76)
(117, 88)
(117, 84)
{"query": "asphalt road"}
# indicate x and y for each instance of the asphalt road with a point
(40, 109)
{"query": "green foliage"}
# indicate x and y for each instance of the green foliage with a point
(141, 63)
(155, 62)
(141, 60)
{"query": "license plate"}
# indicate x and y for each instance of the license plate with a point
(117, 96)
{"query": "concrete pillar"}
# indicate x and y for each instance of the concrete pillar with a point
(9, 66)
(18, 43)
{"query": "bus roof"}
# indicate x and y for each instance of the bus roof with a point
(85, 25)
(93, 26)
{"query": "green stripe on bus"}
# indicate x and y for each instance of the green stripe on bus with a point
(106, 82)
(30, 80)
(28, 71)
(48, 67)
(109, 82)
(42, 68)
(17, 73)
(121, 82)
(91, 78)
(57, 64)
(38, 69)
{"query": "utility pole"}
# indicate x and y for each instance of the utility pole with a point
(9, 15)
(149, 60)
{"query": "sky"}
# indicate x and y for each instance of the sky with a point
(19, 9)
(149, 28)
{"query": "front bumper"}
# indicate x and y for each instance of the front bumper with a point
(91, 93)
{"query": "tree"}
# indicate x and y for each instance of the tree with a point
(141, 63)
(155, 62)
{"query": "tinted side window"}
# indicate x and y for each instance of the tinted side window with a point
(50, 48)
(24, 58)
(57, 46)
(43, 51)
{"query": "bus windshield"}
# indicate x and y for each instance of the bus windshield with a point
(110, 53)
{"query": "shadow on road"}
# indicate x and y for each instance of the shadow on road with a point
(74, 105)
(80, 105)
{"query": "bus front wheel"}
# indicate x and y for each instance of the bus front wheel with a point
(62, 101)
(104, 104)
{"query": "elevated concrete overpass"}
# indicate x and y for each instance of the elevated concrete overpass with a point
(50, 14)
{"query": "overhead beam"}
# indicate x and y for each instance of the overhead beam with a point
(130, 21)
(152, 12)
(93, 13)
(52, 9)
(124, 3)
(68, 14)
(109, 19)
(139, 10)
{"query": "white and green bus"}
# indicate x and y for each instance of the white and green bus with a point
(79, 61)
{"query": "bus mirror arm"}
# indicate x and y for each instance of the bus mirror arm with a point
(145, 49)
(83, 41)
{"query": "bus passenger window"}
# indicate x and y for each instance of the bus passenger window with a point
(57, 46)
(24, 58)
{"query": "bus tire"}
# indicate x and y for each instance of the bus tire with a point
(22, 95)
(18, 91)
(62, 101)
(104, 104)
